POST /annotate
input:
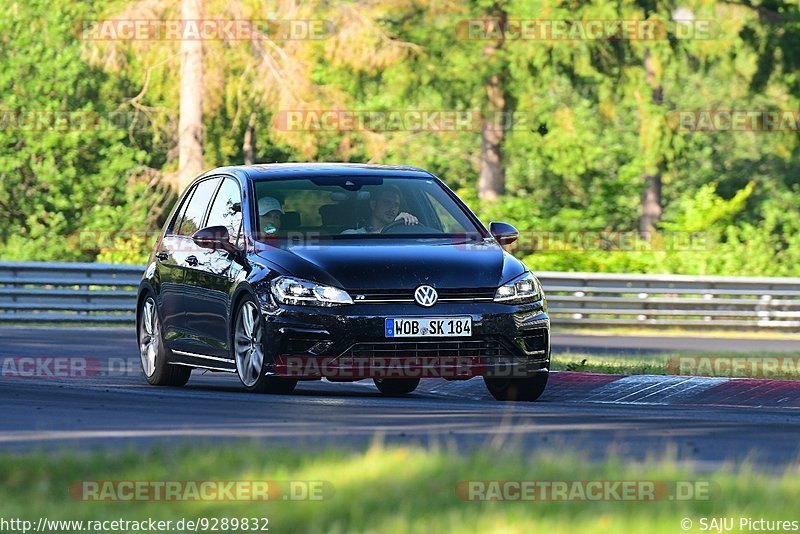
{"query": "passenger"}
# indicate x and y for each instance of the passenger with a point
(269, 215)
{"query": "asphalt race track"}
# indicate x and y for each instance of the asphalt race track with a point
(119, 409)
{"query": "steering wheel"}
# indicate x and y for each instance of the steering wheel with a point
(388, 229)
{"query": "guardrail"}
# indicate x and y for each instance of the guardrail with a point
(623, 300)
(68, 292)
(90, 292)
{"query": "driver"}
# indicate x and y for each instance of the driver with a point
(385, 209)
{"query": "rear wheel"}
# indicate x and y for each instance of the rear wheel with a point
(249, 350)
(396, 386)
(155, 356)
(517, 389)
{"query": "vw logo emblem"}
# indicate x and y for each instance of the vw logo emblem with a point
(426, 296)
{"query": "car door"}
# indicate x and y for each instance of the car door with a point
(170, 274)
(186, 256)
(210, 281)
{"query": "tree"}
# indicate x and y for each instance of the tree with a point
(273, 72)
(492, 177)
(190, 125)
(651, 195)
(68, 175)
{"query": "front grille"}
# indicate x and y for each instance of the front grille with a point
(487, 348)
(407, 295)
(475, 294)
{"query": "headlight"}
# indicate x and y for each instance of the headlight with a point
(526, 288)
(288, 290)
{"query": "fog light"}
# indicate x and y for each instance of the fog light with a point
(320, 347)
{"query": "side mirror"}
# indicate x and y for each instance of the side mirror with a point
(215, 238)
(503, 232)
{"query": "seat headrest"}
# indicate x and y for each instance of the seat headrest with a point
(290, 220)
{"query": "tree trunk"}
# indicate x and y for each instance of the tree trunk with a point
(651, 203)
(190, 122)
(248, 145)
(651, 196)
(492, 181)
(492, 178)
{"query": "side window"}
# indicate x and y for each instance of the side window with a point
(196, 210)
(227, 209)
(175, 223)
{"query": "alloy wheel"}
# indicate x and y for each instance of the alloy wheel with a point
(248, 348)
(149, 336)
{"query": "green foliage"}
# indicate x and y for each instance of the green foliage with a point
(588, 128)
(56, 184)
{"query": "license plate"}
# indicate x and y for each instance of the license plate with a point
(429, 327)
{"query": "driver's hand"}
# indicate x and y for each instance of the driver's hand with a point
(407, 218)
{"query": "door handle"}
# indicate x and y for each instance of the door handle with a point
(192, 261)
(162, 256)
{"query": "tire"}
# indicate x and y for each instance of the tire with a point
(396, 386)
(249, 351)
(517, 389)
(154, 354)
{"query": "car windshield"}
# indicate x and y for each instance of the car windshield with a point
(359, 207)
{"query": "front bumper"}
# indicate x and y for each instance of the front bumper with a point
(348, 343)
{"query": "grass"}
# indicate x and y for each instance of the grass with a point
(706, 331)
(612, 365)
(777, 366)
(386, 489)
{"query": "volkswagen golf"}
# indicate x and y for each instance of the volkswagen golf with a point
(344, 272)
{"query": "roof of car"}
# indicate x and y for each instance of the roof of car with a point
(287, 170)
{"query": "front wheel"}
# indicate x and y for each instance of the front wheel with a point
(517, 389)
(155, 356)
(249, 350)
(396, 386)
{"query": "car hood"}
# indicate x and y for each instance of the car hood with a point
(396, 264)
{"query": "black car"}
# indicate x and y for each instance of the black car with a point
(290, 272)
